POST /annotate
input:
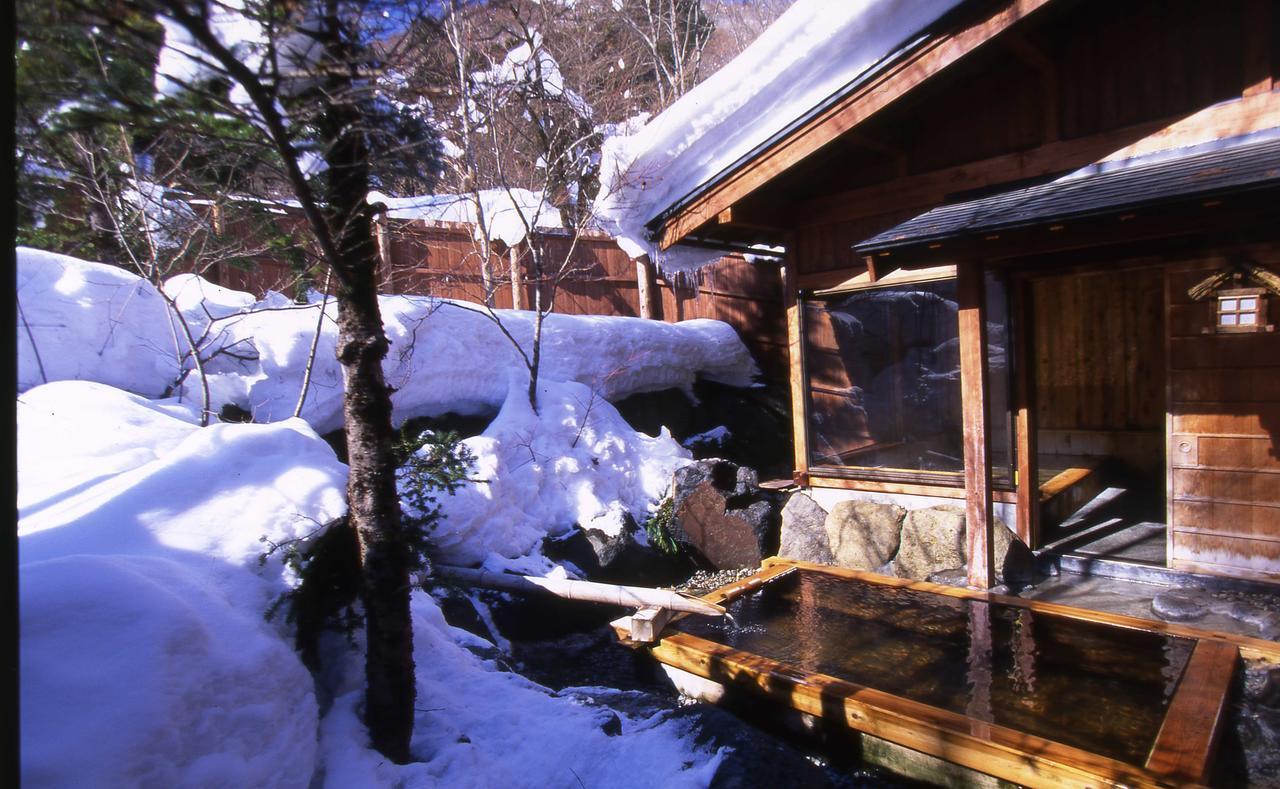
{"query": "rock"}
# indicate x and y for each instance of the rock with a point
(1179, 605)
(720, 516)
(803, 535)
(1015, 563)
(611, 549)
(933, 540)
(863, 535)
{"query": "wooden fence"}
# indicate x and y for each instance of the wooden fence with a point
(443, 259)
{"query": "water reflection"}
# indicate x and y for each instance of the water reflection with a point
(1101, 688)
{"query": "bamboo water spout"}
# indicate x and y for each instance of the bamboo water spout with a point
(589, 591)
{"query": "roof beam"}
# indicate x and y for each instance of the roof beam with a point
(869, 99)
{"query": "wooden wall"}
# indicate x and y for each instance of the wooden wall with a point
(1224, 434)
(1100, 366)
(745, 295)
(442, 259)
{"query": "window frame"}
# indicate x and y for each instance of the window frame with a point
(1259, 312)
(918, 477)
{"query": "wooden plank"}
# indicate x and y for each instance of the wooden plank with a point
(1065, 479)
(1185, 745)
(819, 479)
(1259, 556)
(988, 748)
(1025, 425)
(1240, 418)
(898, 80)
(795, 353)
(972, 316)
(1249, 487)
(1228, 519)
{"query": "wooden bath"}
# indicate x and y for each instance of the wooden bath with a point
(1031, 692)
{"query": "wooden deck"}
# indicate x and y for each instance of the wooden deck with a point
(1181, 756)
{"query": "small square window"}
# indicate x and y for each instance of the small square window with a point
(1241, 310)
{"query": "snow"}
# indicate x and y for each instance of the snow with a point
(136, 672)
(814, 49)
(146, 658)
(526, 66)
(715, 437)
(508, 214)
(574, 461)
(257, 350)
(157, 490)
(81, 320)
(480, 727)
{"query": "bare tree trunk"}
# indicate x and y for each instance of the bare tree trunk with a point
(311, 354)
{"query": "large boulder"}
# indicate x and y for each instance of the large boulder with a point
(721, 516)
(804, 535)
(619, 553)
(864, 535)
(933, 541)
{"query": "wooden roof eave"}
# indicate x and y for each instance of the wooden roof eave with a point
(869, 98)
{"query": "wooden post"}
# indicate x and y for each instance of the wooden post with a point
(384, 244)
(1024, 370)
(795, 353)
(517, 280)
(646, 280)
(971, 289)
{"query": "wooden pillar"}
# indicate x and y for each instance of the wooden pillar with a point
(646, 279)
(517, 279)
(795, 355)
(973, 393)
(384, 243)
(1024, 370)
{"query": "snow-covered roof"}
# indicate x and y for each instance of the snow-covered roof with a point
(508, 213)
(809, 54)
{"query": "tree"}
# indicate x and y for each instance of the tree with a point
(304, 76)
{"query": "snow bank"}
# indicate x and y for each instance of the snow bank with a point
(445, 356)
(576, 461)
(448, 356)
(813, 50)
(146, 659)
(136, 672)
(509, 214)
(145, 656)
(480, 727)
(89, 321)
(147, 481)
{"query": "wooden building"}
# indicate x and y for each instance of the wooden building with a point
(1037, 245)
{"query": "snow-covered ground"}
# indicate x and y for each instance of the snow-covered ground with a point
(146, 656)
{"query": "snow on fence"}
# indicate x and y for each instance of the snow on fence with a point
(443, 259)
